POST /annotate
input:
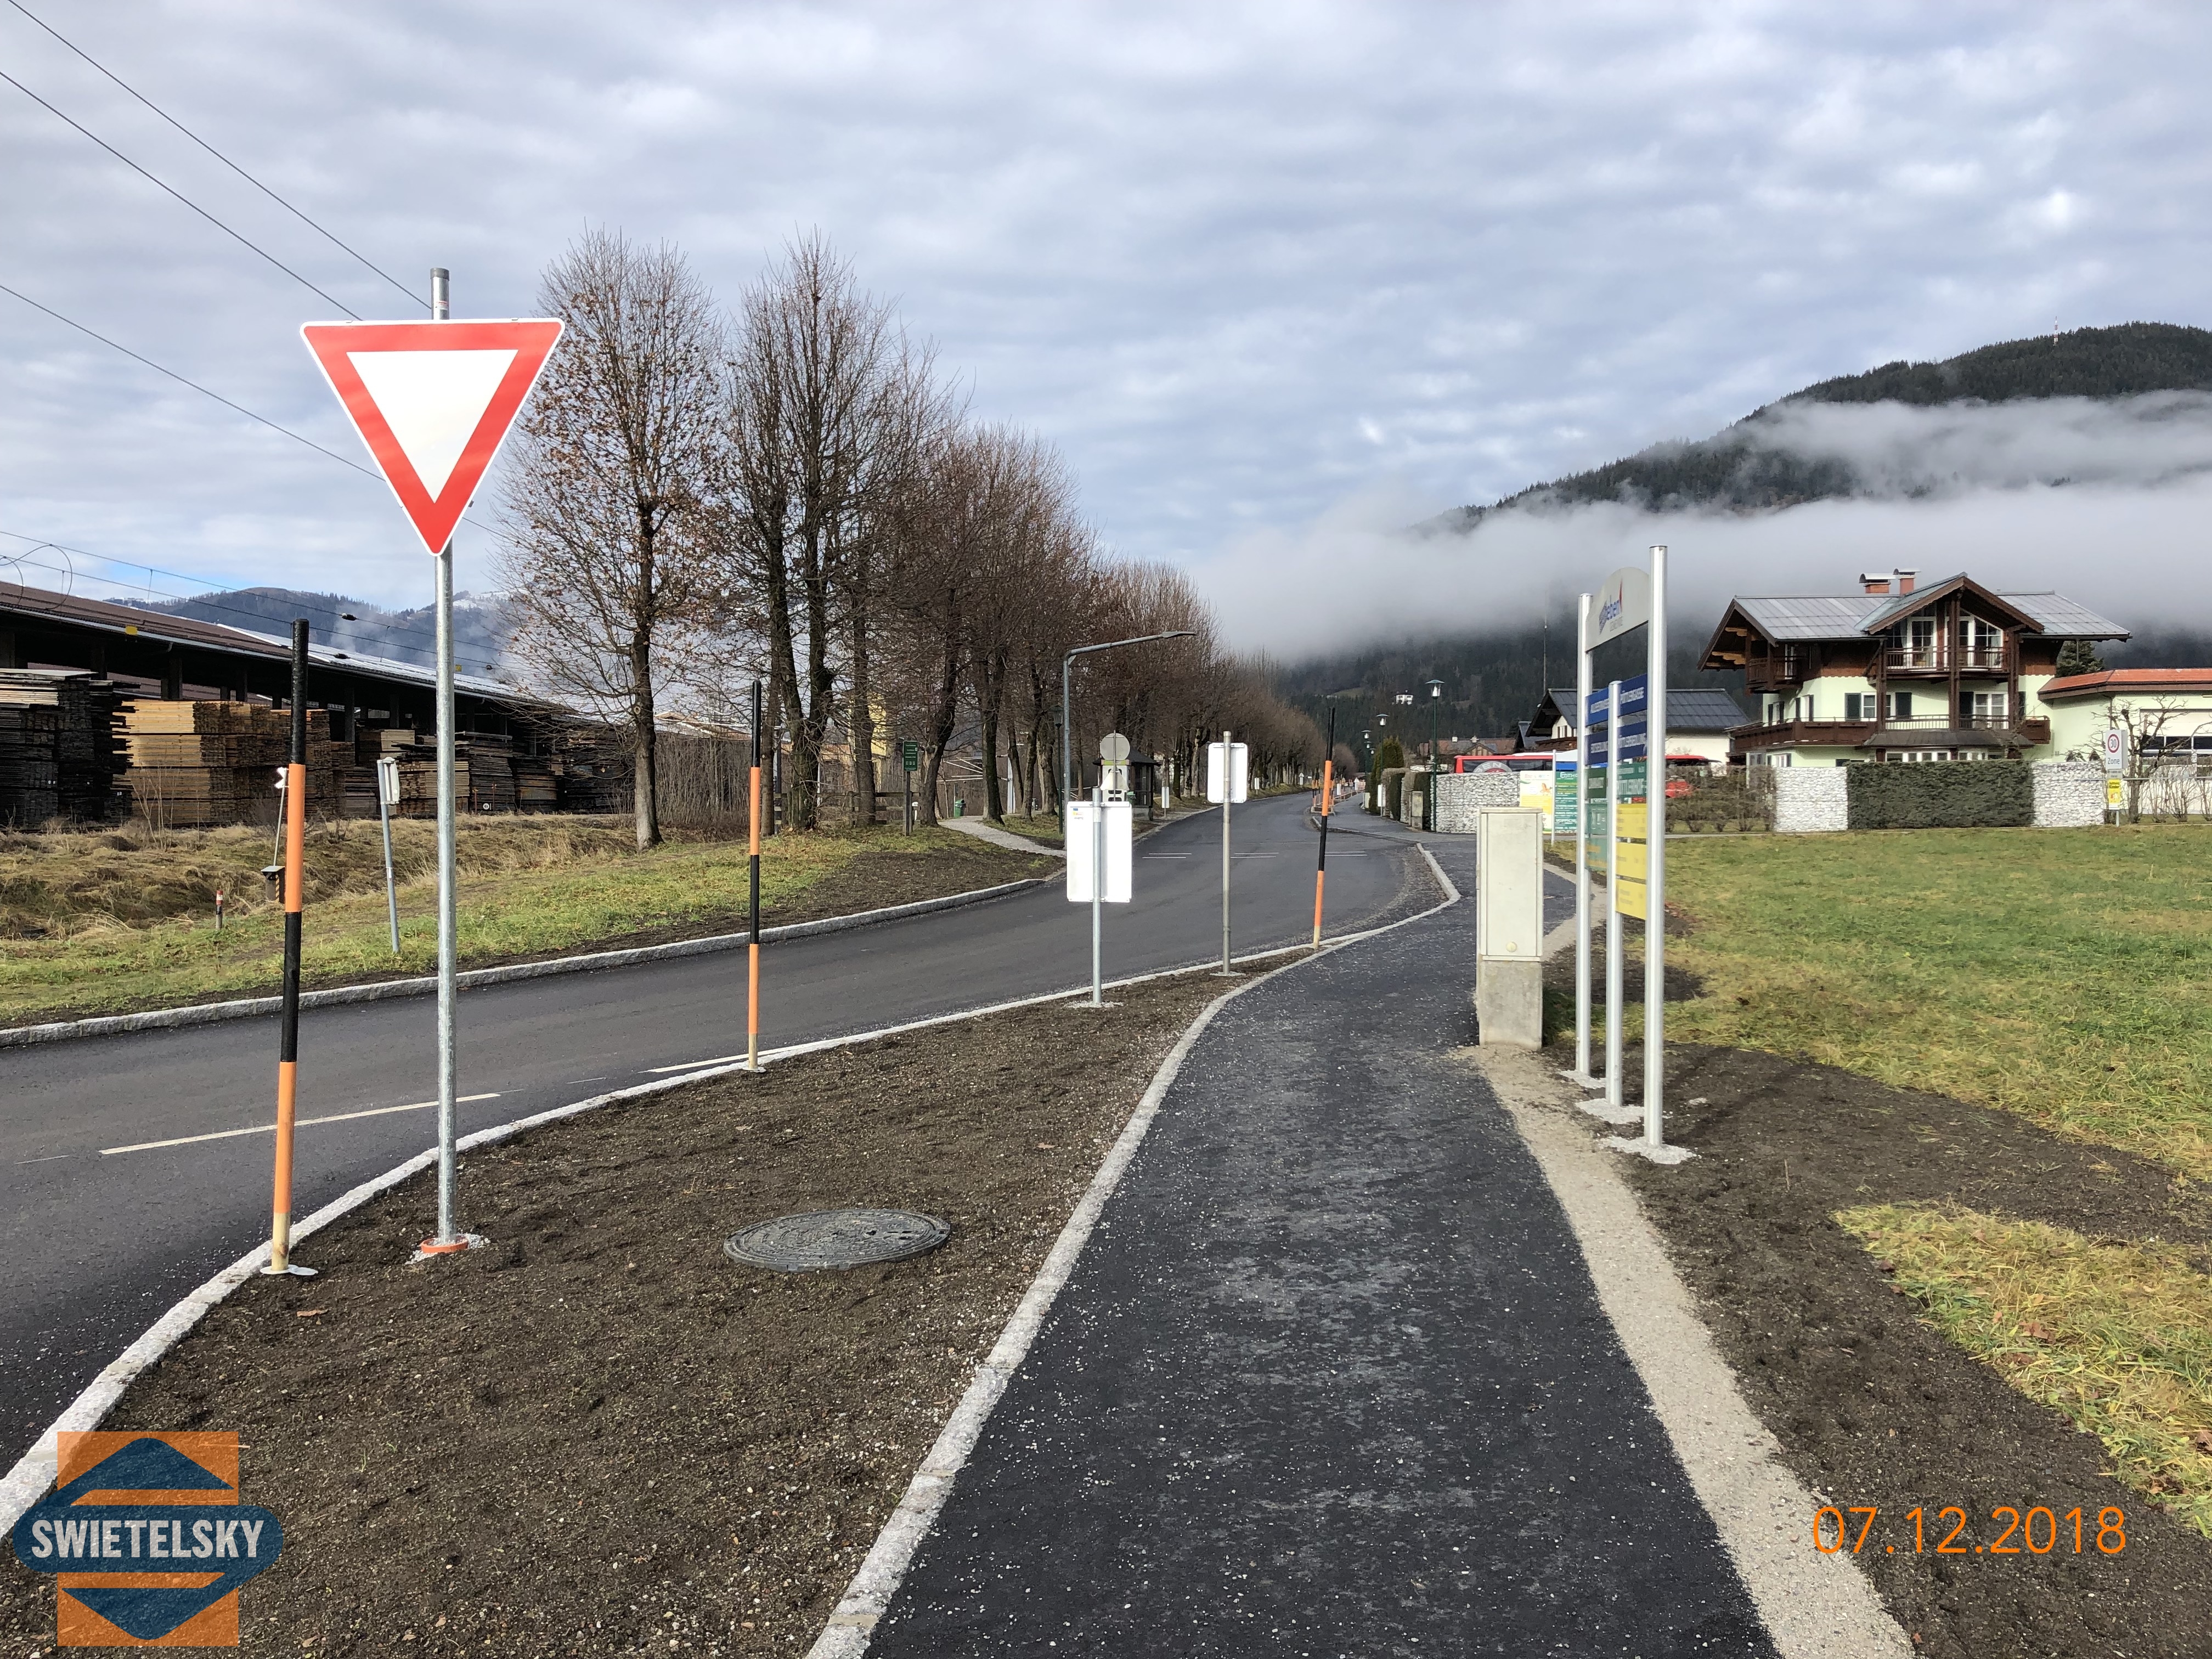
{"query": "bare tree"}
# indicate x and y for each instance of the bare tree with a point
(820, 419)
(604, 566)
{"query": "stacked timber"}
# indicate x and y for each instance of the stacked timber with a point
(193, 764)
(486, 774)
(57, 749)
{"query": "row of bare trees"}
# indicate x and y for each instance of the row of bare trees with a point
(790, 490)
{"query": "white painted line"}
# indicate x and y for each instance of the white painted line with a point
(1814, 1606)
(270, 1128)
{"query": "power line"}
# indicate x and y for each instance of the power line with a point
(241, 240)
(195, 385)
(319, 229)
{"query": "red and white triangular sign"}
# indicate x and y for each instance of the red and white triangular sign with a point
(433, 402)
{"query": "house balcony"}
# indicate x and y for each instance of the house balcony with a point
(1939, 658)
(1936, 731)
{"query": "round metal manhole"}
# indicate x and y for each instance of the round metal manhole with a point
(835, 1238)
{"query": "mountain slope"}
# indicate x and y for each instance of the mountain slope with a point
(1749, 467)
(344, 624)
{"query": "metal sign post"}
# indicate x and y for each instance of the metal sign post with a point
(909, 762)
(1655, 879)
(1581, 1072)
(1613, 952)
(1227, 775)
(1327, 792)
(387, 797)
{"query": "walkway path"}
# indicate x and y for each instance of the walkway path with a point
(1330, 1378)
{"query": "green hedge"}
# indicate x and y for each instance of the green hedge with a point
(1941, 795)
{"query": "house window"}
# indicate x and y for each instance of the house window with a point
(1853, 702)
(1984, 643)
(1898, 705)
(1789, 662)
(1912, 755)
(1986, 708)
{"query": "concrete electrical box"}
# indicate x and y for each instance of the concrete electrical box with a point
(1508, 926)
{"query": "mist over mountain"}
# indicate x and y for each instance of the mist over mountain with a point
(2081, 462)
(480, 626)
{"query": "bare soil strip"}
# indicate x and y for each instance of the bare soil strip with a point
(602, 1436)
(1873, 1407)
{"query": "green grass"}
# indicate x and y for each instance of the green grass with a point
(2063, 975)
(527, 891)
(1045, 827)
(2116, 1338)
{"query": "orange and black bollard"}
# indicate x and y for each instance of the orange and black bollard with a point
(752, 951)
(1327, 790)
(295, 897)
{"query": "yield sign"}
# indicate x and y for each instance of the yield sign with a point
(433, 402)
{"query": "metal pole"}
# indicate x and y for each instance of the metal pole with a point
(1227, 789)
(391, 891)
(1098, 890)
(288, 1053)
(752, 950)
(1612, 982)
(1655, 879)
(448, 884)
(1581, 839)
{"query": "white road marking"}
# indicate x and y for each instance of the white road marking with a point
(270, 1128)
(48, 1159)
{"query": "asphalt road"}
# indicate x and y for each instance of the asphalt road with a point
(99, 1241)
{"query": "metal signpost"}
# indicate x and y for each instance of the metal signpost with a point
(1101, 836)
(1227, 769)
(1581, 1072)
(1328, 799)
(910, 762)
(1633, 713)
(387, 797)
(433, 401)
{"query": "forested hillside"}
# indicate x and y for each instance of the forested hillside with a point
(1738, 468)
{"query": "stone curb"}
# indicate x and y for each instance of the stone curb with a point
(211, 1013)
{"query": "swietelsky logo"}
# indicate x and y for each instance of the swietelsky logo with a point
(147, 1540)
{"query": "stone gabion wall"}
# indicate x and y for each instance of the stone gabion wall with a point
(1812, 800)
(1460, 795)
(2069, 794)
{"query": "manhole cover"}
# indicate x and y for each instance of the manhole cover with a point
(835, 1238)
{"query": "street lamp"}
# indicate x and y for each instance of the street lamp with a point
(1067, 662)
(1429, 801)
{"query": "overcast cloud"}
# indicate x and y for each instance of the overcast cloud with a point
(1272, 275)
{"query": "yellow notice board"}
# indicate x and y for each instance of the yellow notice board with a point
(1635, 857)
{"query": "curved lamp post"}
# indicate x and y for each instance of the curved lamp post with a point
(1067, 663)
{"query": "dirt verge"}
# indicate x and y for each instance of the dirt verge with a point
(1875, 1407)
(601, 1436)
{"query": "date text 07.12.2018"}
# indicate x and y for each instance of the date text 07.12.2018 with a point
(2037, 1531)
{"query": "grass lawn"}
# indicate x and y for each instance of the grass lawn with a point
(2115, 1337)
(113, 926)
(2065, 974)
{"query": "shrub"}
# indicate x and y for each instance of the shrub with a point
(1941, 795)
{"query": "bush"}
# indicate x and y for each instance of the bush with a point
(1941, 795)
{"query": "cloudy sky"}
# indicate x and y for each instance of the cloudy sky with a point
(1272, 276)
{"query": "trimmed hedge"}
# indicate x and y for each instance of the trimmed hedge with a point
(1941, 795)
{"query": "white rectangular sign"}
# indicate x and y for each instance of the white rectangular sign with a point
(1508, 887)
(1238, 772)
(1623, 603)
(1083, 849)
(387, 779)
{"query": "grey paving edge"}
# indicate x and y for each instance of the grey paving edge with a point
(211, 1013)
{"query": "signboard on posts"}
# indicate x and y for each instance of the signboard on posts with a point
(1226, 769)
(1623, 603)
(1085, 819)
(910, 756)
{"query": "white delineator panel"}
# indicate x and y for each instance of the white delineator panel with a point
(1083, 828)
(433, 401)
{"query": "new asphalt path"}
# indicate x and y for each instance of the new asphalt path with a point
(1330, 1378)
(97, 1241)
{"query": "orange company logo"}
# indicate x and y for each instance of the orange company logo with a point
(147, 1540)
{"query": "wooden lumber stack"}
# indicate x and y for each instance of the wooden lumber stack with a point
(198, 763)
(57, 747)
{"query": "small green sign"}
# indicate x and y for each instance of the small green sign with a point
(910, 756)
(1634, 776)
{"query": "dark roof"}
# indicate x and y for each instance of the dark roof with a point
(1847, 616)
(1702, 709)
(97, 614)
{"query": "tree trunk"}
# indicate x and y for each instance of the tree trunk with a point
(942, 714)
(645, 764)
(862, 725)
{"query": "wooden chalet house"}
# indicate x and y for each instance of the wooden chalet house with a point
(1952, 671)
